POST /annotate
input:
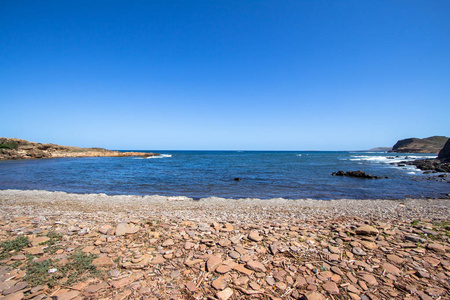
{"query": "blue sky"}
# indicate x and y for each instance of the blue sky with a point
(261, 75)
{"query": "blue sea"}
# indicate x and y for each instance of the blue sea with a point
(201, 174)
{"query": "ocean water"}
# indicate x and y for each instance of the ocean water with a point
(201, 174)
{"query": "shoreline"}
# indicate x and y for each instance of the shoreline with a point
(157, 247)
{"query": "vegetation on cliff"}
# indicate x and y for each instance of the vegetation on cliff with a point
(12, 148)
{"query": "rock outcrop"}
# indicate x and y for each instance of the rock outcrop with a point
(444, 154)
(440, 164)
(11, 148)
(431, 144)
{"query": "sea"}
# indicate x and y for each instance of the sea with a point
(203, 174)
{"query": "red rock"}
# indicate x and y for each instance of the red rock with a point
(312, 295)
(68, 295)
(15, 296)
(394, 258)
(157, 260)
(366, 230)
(121, 282)
(391, 269)
(222, 269)
(254, 236)
(331, 287)
(191, 286)
(436, 247)
(213, 262)
(219, 283)
(256, 266)
(103, 261)
(370, 279)
(225, 294)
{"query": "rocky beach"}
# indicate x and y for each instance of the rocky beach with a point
(93, 246)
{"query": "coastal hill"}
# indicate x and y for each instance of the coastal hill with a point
(12, 148)
(431, 144)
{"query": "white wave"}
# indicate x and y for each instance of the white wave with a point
(299, 155)
(160, 156)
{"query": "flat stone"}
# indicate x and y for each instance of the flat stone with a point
(121, 229)
(103, 261)
(213, 262)
(168, 243)
(366, 230)
(222, 269)
(358, 251)
(38, 250)
(254, 236)
(219, 283)
(256, 266)
(96, 287)
(225, 294)
(15, 296)
(17, 287)
(313, 295)
(394, 258)
(391, 269)
(157, 260)
(191, 286)
(436, 247)
(68, 295)
(121, 282)
(331, 287)
(369, 245)
(370, 279)
(270, 280)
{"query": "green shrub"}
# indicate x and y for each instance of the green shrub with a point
(9, 145)
(15, 245)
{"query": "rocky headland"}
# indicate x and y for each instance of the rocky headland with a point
(439, 164)
(414, 145)
(12, 148)
(67, 246)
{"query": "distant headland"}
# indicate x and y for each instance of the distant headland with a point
(12, 148)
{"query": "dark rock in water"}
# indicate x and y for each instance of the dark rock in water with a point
(357, 174)
(436, 165)
(237, 179)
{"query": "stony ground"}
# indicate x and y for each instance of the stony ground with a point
(67, 246)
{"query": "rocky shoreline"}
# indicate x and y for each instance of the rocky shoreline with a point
(70, 246)
(12, 149)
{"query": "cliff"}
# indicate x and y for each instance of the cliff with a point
(11, 148)
(444, 154)
(414, 145)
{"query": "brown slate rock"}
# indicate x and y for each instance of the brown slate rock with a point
(15, 296)
(313, 295)
(103, 261)
(225, 294)
(68, 295)
(219, 283)
(331, 287)
(256, 266)
(436, 247)
(254, 236)
(391, 269)
(366, 230)
(121, 229)
(213, 262)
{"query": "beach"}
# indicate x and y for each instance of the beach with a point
(157, 247)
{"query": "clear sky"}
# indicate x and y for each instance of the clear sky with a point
(262, 75)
